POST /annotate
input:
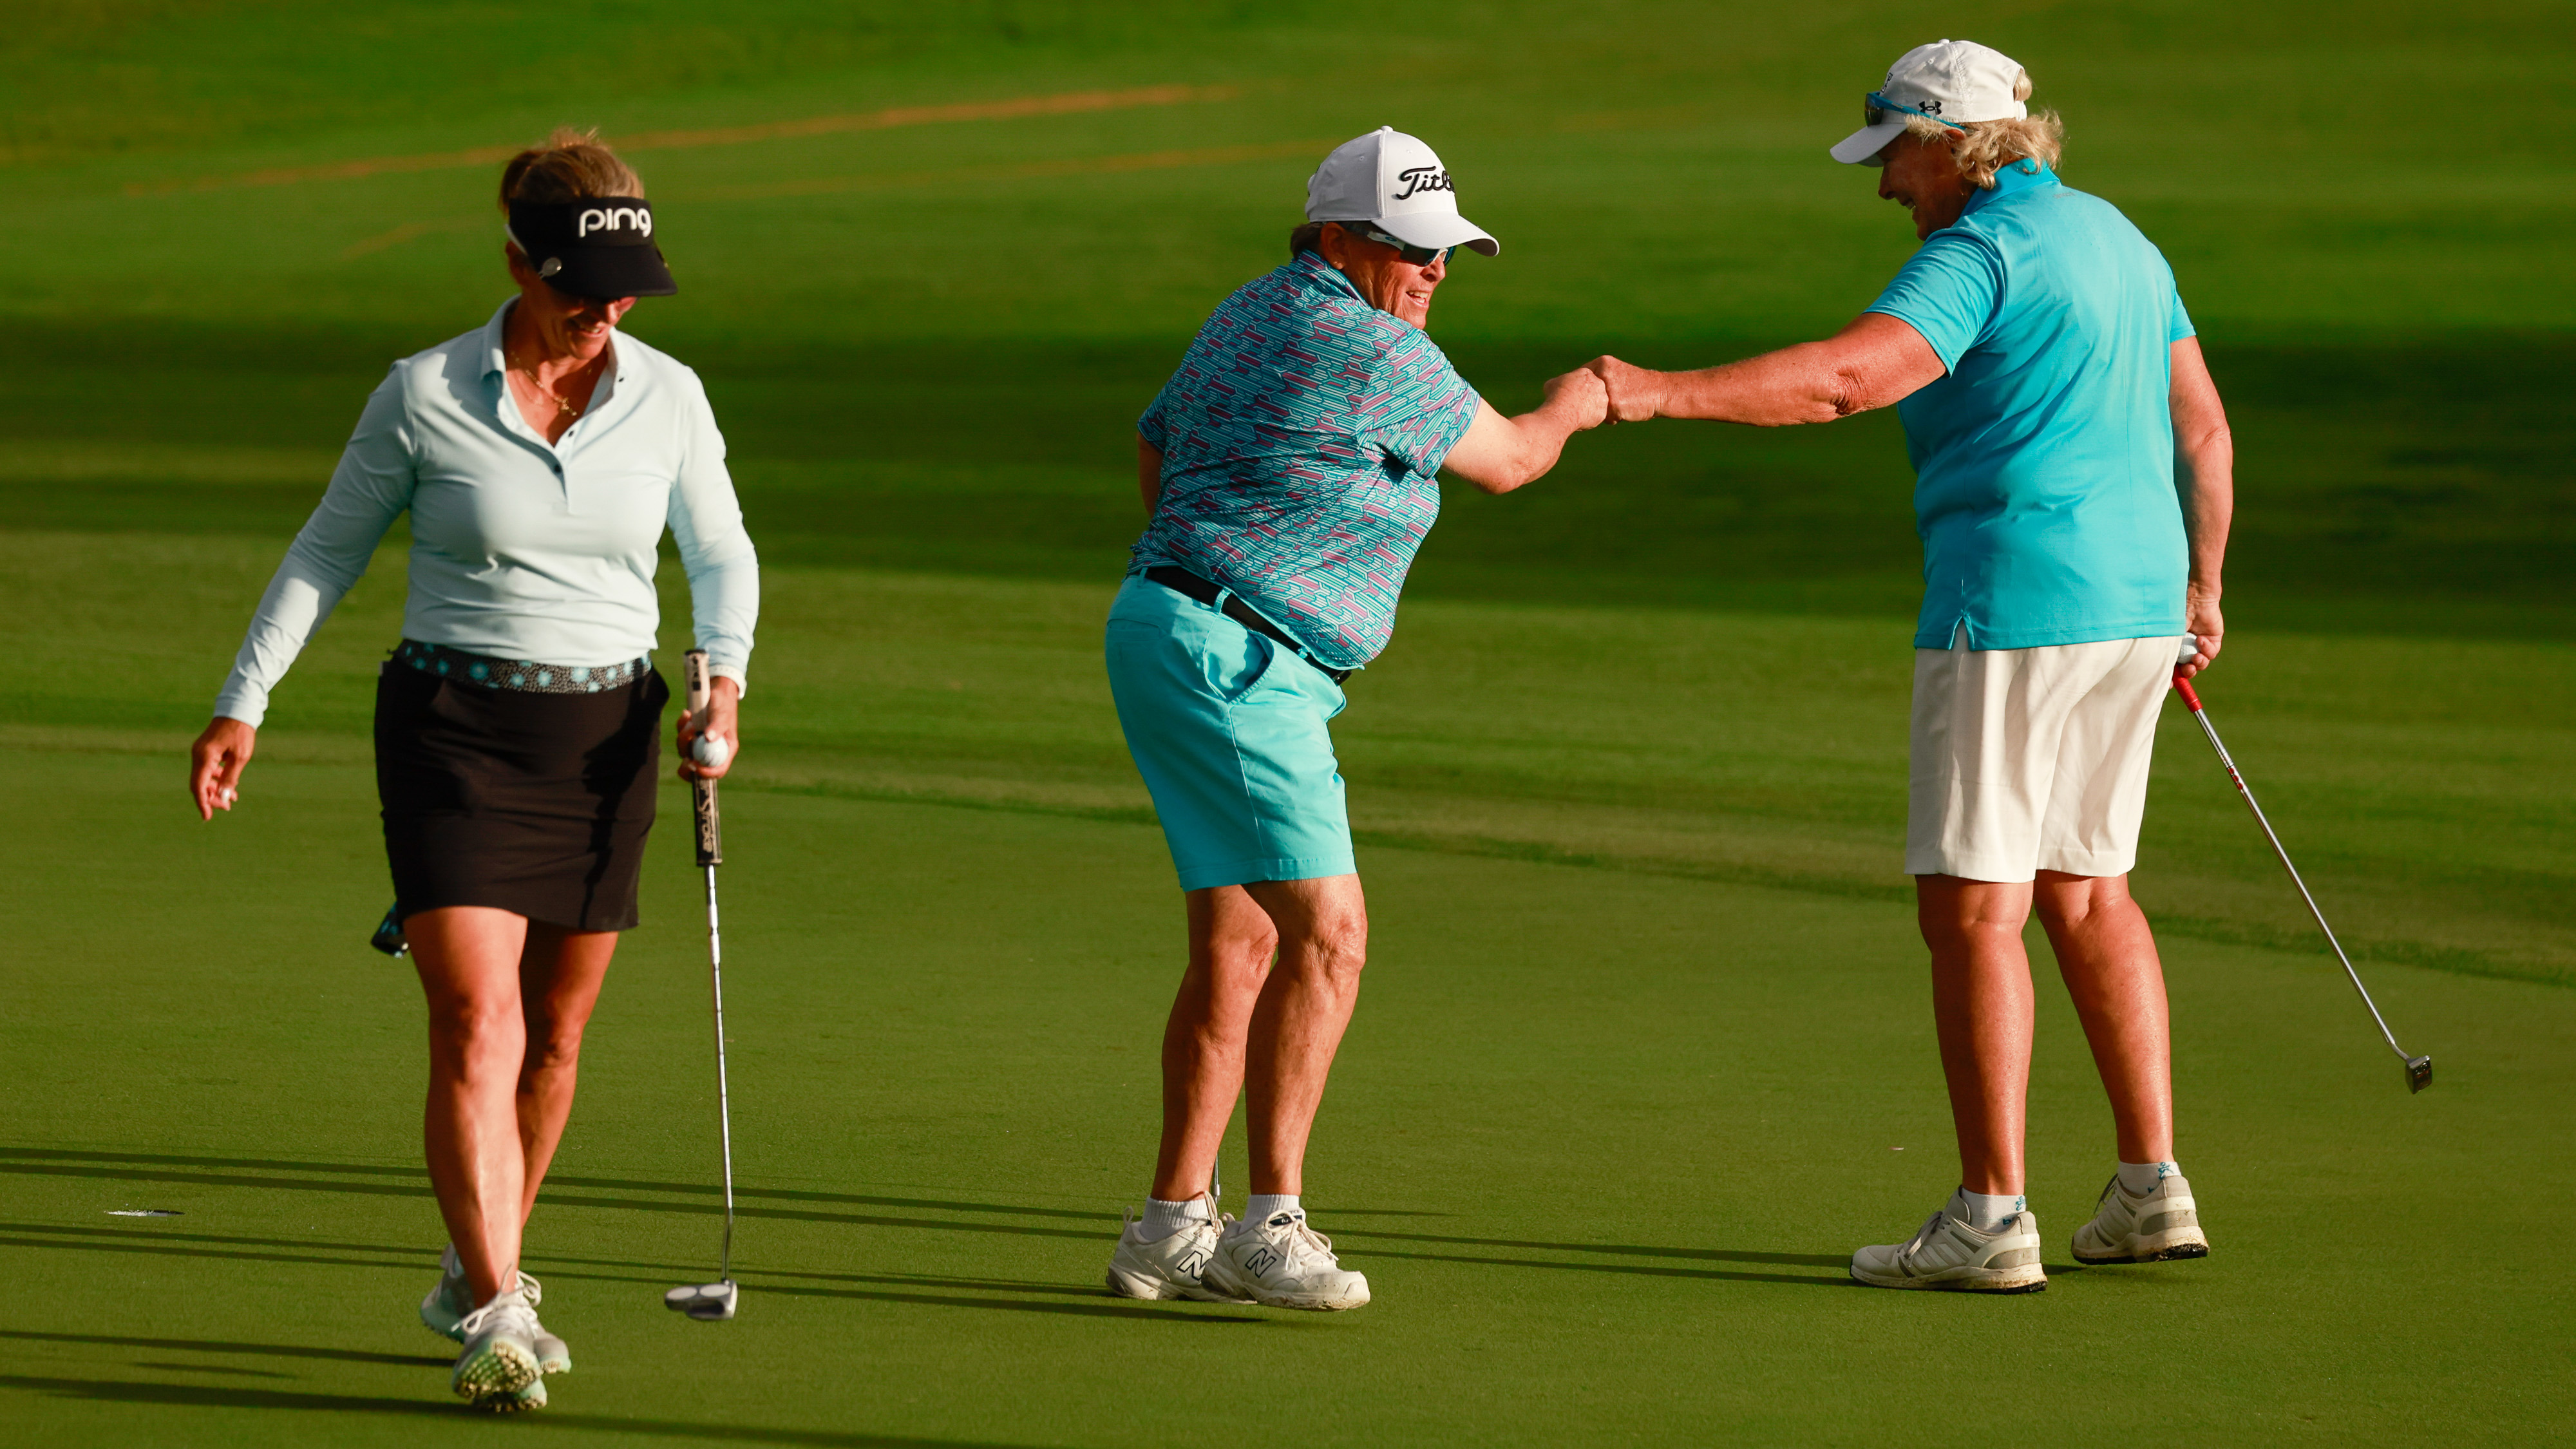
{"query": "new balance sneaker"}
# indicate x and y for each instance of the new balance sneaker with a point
(445, 1308)
(531, 1397)
(2158, 1228)
(1947, 1253)
(500, 1354)
(1171, 1266)
(1280, 1262)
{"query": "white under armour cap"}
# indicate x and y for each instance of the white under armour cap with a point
(1392, 179)
(1955, 81)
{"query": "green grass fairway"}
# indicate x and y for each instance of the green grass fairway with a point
(1645, 1049)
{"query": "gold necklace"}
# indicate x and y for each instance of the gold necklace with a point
(564, 406)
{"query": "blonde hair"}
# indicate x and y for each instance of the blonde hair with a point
(568, 165)
(1986, 147)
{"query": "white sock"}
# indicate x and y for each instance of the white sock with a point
(1986, 1211)
(1162, 1219)
(2137, 1179)
(1261, 1207)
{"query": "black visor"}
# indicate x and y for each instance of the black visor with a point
(597, 246)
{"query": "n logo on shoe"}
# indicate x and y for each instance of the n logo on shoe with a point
(1261, 1261)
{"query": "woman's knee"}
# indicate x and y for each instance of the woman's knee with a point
(1336, 944)
(470, 1029)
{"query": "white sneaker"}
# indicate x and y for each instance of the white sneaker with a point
(500, 1354)
(553, 1357)
(445, 1309)
(1282, 1263)
(449, 1302)
(1948, 1253)
(2160, 1227)
(1168, 1267)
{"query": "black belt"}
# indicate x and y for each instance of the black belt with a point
(1182, 581)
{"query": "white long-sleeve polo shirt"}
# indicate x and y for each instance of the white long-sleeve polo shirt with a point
(520, 549)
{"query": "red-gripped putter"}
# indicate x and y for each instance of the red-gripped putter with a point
(2419, 1070)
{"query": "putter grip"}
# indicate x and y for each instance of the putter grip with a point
(702, 793)
(2190, 697)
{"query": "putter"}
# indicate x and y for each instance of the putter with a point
(711, 1302)
(2419, 1070)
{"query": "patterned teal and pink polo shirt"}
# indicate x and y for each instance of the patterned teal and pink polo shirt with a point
(1301, 440)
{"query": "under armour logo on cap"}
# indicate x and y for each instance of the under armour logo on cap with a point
(1955, 82)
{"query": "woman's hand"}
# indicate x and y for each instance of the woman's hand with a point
(1634, 392)
(1579, 399)
(2201, 619)
(721, 719)
(215, 764)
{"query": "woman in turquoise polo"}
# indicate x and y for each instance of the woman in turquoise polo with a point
(2073, 489)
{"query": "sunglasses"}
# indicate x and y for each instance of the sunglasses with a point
(1874, 108)
(1418, 256)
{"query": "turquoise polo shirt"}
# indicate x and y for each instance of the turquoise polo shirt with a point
(2043, 461)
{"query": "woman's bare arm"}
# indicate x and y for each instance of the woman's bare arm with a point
(1149, 475)
(1875, 361)
(1499, 454)
(2205, 476)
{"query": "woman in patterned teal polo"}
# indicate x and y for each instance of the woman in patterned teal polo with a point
(1290, 466)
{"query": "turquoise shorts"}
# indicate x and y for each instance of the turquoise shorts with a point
(1228, 729)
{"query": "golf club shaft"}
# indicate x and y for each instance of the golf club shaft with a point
(724, 1099)
(2191, 698)
(710, 853)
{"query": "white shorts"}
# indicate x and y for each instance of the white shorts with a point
(2027, 760)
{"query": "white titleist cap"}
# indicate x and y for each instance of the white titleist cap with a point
(1392, 179)
(1952, 81)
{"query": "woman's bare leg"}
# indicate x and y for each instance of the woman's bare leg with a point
(1231, 941)
(560, 974)
(468, 960)
(1298, 1023)
(1981, 1003)
(2108, 956)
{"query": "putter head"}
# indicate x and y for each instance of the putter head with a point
(706, 1302)
(2419, 1073)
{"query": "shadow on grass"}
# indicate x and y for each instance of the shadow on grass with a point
(1719, 1255)
(552, 1198)
(209, 1345)
(416, 1180)
(192, 1396)
(1099, 1309)
(897, 1288)
(211, 1368)
(1647, 1270)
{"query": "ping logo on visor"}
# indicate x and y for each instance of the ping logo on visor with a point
(613, 218)
(593, 246)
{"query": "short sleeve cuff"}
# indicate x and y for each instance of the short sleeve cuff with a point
(1922, 328)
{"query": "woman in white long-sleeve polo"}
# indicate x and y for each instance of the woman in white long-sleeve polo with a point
(517, 722)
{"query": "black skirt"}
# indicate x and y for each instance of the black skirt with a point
(533, 803)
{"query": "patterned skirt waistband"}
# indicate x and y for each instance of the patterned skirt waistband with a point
(519, 674)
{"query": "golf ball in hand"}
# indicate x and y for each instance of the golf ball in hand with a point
(710, 752)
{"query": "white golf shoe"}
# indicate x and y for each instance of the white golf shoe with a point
(531, 1397)
(1172, 1266)
(500, 1356)
(1280, 1262)
(2160, 1227)
(1947, 1253)
(445, 1308)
